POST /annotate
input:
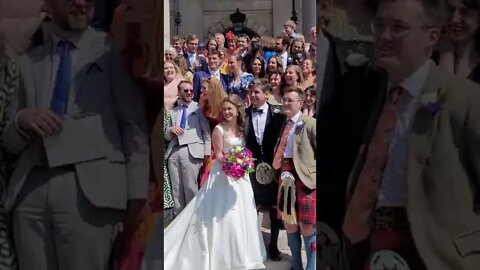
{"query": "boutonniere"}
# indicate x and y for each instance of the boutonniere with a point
(433, 102)
(355, 59)
(276, 110)
(300, 125)
(357, 56)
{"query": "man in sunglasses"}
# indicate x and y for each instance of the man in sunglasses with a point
(188, 133)
(80, 133)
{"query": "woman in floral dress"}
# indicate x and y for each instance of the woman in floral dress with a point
(239, 79)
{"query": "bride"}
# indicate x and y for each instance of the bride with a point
(218, 229)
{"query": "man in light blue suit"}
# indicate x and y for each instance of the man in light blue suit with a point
(188, 133)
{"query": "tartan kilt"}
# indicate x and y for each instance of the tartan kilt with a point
(306, 202)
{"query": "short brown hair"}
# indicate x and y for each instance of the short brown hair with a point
(242, 35)
(177, 38)
(183, 82)
(285, 40)
(301, 94)
(191, 37)
(217, 53)
(262, 83)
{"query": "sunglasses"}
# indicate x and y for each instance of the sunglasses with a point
(188, 90)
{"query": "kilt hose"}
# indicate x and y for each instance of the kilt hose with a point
(306, 199)
(391, 242)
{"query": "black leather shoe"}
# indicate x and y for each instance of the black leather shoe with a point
(274, 254)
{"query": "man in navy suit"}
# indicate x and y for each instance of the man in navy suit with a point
(213, 70)
(194, 61)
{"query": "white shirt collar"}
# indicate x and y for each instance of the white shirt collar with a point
(214, 72)
(414, 84)
(264, 107)
(296, 117)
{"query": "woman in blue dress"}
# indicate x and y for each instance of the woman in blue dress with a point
(238, 79)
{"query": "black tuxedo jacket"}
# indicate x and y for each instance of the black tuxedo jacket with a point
(349, 98)
(265, 195)
(273, 125)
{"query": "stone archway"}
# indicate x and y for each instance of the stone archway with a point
(252, 27)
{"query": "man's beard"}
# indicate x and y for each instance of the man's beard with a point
(78, 25)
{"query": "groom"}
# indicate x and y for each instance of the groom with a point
(295, 159)
(264, 126)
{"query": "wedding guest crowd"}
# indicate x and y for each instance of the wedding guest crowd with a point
(261, 71)
(396, 127)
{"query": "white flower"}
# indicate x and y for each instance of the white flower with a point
(276, 110)
(355, 59)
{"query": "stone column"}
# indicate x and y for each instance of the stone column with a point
(166, 24)
(308, 17)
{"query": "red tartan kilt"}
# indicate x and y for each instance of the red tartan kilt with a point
(306, 203)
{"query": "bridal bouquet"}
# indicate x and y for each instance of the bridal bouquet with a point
(237, 162)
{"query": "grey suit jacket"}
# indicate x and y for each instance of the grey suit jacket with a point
(102, 86)
(196, 120)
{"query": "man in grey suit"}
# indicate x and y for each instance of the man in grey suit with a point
(79, 130)
(189, 148)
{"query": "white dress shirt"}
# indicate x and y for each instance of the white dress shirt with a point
(215, 74)
(259, 120)
(289, 147)
(284, 57)
(192, 57)
(393, 192)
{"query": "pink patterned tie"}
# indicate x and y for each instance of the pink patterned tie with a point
(356, 225)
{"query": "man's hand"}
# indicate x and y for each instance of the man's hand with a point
(39, 122)
(196, 64)
(176, 131)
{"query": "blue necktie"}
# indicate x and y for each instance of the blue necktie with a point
(183, 122)
(62, 82)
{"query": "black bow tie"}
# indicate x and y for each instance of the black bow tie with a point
(255, 110)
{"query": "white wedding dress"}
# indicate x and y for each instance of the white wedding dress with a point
(218, 229)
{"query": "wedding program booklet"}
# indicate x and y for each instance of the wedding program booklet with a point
(81, 139)
(189, 136)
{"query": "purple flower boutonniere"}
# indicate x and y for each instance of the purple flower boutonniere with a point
(433, 102)
(300, 125)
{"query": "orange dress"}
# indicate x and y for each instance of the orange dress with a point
(213, 121)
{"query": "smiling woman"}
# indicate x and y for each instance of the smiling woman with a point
(460, 48)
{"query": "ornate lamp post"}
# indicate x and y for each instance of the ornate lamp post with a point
(238, 21)
(294, 13)
(178, 21)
